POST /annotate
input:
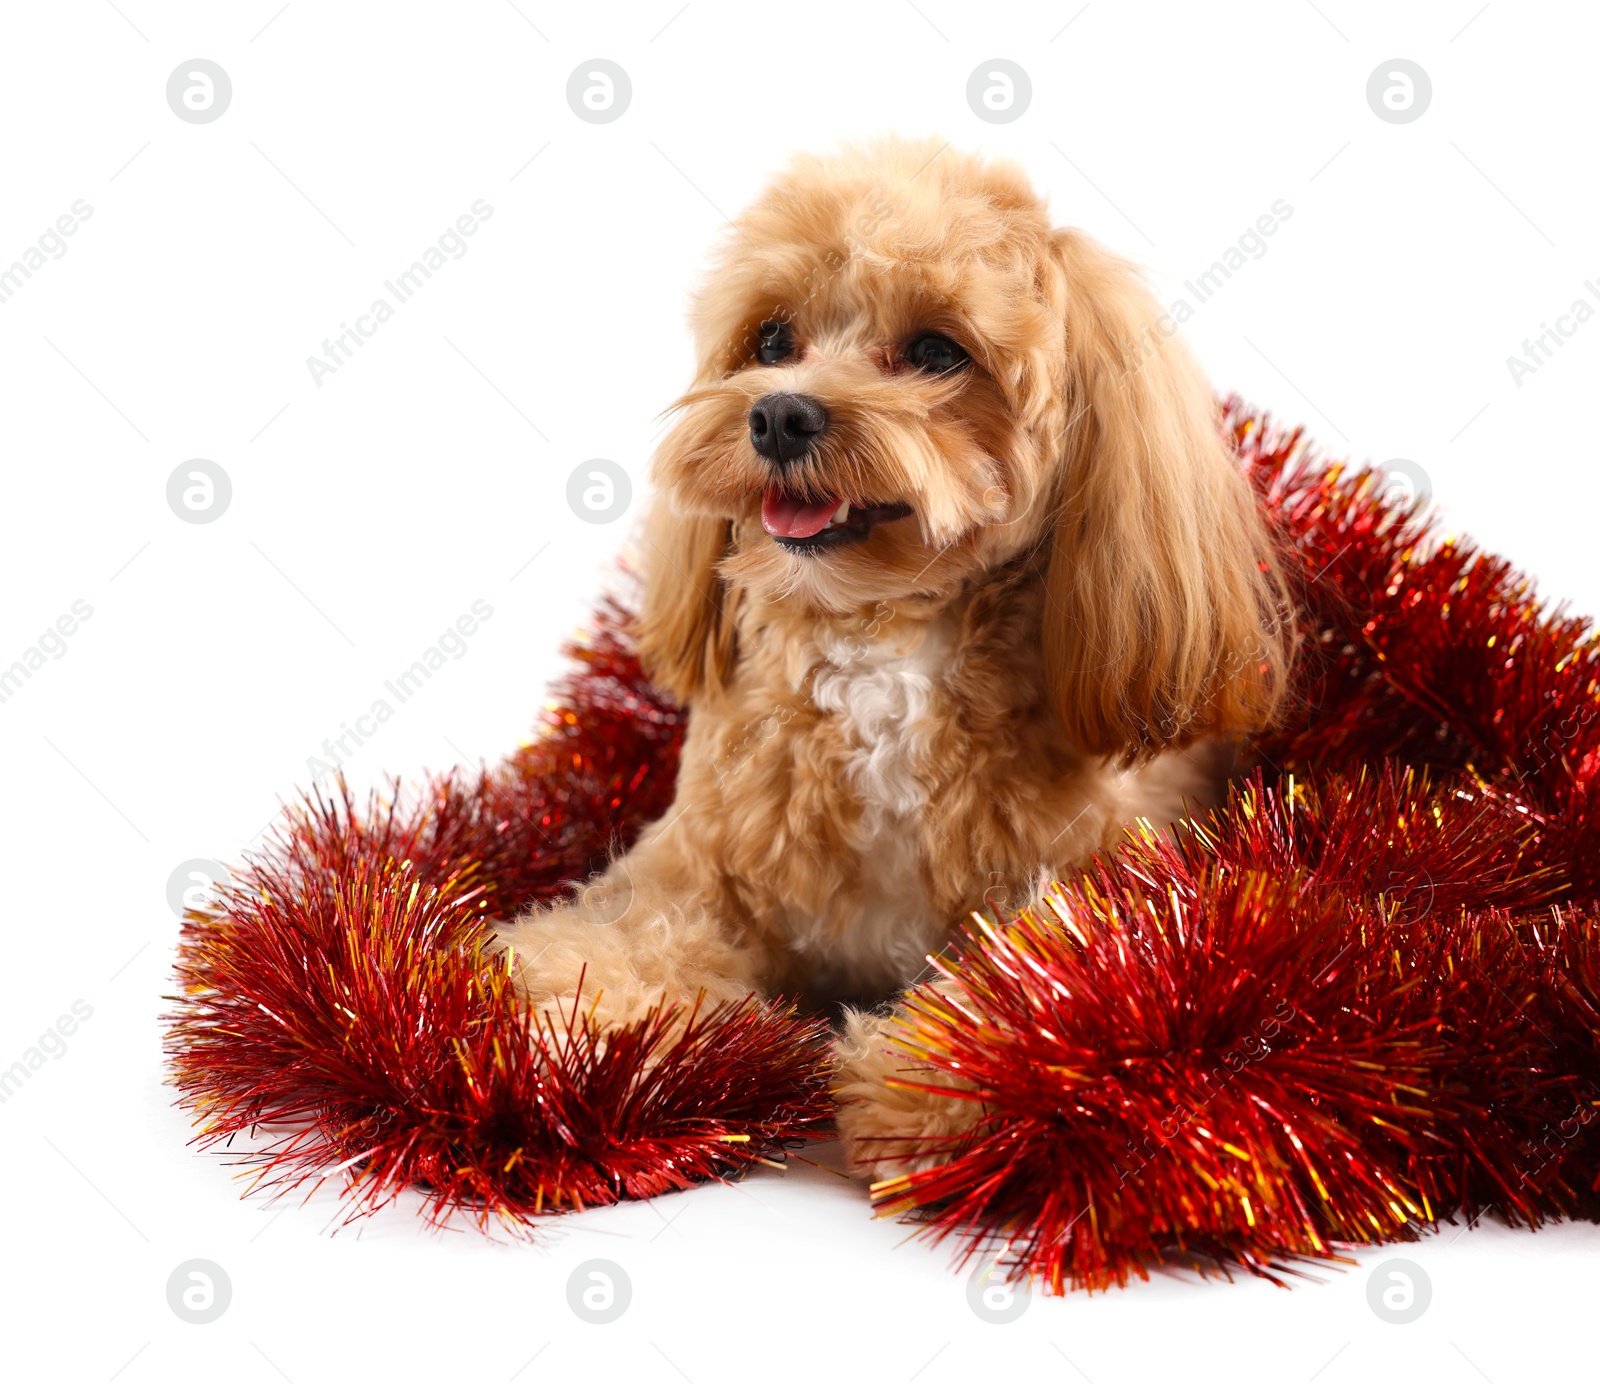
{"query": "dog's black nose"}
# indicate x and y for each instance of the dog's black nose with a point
(784, 427)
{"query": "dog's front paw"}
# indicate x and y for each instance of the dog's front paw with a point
(888, 1129)
(567, 962)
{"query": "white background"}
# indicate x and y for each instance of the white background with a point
(430, 471)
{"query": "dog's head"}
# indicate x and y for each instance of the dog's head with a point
(907, 378)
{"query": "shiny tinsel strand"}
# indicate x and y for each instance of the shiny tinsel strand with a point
(1358, 999)
(341, 997)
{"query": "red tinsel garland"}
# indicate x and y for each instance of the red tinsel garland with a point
(1363, 997)
(341, 993)
(1346, 1007)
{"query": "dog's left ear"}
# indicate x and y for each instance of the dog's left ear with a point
(685, 627)
(1165, 611)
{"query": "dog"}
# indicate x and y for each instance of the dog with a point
(957, 578)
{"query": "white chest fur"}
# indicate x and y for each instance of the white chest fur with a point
(883, 694)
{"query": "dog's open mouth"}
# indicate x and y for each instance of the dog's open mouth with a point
(804, 525)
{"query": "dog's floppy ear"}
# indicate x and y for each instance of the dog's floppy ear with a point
(685, 627)
(1165, 611)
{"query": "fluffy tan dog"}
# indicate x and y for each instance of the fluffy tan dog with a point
(957, 579)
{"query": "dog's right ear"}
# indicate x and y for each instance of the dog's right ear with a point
(685, 628)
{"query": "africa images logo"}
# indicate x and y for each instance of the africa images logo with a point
(52, 1043)
(51, 243)
(340, 349)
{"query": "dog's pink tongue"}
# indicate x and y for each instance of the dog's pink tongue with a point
(783, 516)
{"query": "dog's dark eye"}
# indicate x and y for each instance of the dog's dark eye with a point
(935, 354)
(776, 344)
